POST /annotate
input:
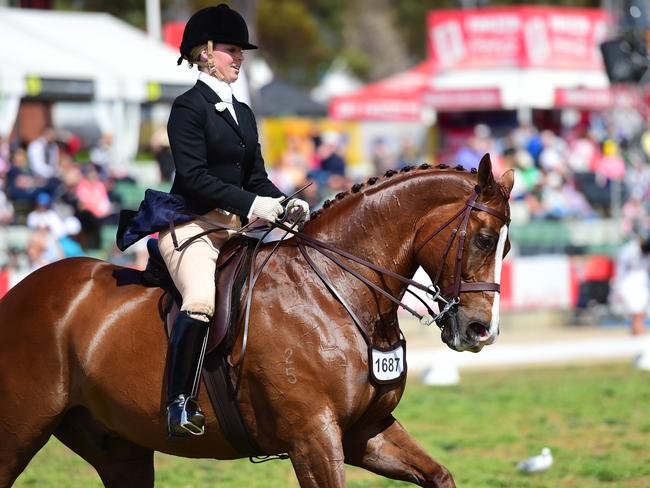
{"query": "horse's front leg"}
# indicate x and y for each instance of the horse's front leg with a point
(316, 453)
(387, 449)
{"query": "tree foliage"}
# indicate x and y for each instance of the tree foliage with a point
(299, 38)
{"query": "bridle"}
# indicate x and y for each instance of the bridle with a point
(452, 296)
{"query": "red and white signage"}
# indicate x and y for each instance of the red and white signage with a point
(529, 37)
(398, 97)
(584, 98)
(463, 99)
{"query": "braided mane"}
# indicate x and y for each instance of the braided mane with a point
(357, 187)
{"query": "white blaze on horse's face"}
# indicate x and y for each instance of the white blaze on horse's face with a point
(498, 263)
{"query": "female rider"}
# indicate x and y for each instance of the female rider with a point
(220, 174)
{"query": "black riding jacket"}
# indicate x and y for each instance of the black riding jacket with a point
(218, 162)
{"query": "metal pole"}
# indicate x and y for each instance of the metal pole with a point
(153, 19)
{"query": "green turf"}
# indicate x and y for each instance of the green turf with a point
(595, 419)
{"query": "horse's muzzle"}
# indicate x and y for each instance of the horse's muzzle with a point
(471, 337)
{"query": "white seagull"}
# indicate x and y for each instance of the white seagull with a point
(537, 463)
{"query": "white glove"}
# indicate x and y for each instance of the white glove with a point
(298, 210)
(268, 208)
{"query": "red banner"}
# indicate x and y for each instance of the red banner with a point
(464, 99)
(585, 98)
(375, 108)
(540, 37)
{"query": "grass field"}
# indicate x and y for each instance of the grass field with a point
(596, 419)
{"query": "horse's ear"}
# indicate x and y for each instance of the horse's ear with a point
(485, 179)
(507, 181)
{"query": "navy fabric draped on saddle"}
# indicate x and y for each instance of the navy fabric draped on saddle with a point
(156, 212)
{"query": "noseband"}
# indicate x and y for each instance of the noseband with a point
(451, 297)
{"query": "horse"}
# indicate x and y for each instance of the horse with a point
(83, 357)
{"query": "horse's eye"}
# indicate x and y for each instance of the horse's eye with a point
(485, 242)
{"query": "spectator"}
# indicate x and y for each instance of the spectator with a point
(70, 247)
(634, 215)
(582, 153)
(631, 285)
(160, 146)
(292, 169)
(408, 153)
(43, 154)
(477, 145)
(637, 176)
(561, 200)
(92, 194)
(4, 156)
(22, 185)
(101, 155)
(381, 157)
(6, 209)
(527, 176)
(328, 151)
(42, 249)
(44, 217)
(552, 157)
(611, 165)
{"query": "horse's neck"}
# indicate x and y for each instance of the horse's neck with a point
(379, 223)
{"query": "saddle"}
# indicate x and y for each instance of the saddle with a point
(233, 266)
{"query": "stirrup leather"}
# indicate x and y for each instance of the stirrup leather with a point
(185, 416)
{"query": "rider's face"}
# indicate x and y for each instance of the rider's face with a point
(228, 59)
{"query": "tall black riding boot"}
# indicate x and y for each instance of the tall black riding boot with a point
(184, 355)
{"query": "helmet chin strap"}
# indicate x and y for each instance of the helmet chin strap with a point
(212, 69)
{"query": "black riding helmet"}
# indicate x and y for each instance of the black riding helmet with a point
(217, 24)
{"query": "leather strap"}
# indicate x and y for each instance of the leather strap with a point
(479, 286)
(219, 385)
(477, 205)
(334, 292)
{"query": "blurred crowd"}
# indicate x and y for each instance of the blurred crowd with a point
(63, 203)
(581, 174)
(584, 173)
(65, 195)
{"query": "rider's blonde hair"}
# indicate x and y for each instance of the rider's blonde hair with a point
(195, 54)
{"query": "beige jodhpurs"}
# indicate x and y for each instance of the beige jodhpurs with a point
(193, 269)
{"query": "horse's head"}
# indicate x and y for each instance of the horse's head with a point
(472, 246)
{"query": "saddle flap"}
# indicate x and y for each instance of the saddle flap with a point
(231, 248)
(228, 287)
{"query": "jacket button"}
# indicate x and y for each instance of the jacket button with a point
(242, 144)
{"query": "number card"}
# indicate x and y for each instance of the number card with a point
(389, 365)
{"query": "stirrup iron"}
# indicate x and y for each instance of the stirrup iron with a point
(191, 421)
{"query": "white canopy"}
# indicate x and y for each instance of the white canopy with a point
(120, 59)
(530, 87)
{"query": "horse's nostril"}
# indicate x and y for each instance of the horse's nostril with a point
(479, 331)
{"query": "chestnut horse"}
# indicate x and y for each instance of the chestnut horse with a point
(82, 358)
